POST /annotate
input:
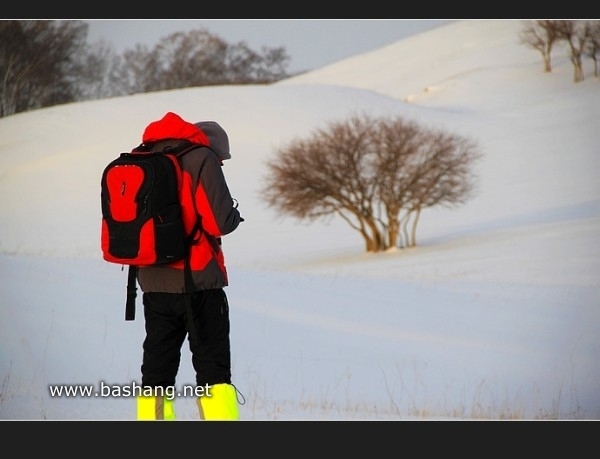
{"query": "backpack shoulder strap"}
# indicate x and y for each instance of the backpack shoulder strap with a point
(131, 293)
(186, 148)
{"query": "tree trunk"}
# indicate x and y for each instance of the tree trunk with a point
(393, 232)
(413, 242)
(578, 71)
(374, 241)
(369, 244)
(547, 63)
(378, 240)
(405, 230)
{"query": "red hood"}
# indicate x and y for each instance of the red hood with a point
(172, 126)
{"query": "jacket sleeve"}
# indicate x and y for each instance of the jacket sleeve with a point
(214, 203)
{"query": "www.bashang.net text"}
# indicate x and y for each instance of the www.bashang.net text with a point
(125, 390)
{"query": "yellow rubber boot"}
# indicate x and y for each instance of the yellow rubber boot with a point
(219, 404)
(153, 408)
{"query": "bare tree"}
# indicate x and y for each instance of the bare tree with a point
(577, 35)
(195, 58)
(275, 62)
(593, 46)
(199, 58)
(247, 66)
(99, 74)
(541, 36)
(140, 71)
(438, 172)
(373, 173)
(39, 63)
(44, 63)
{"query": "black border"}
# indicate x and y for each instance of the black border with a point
(313, 438)
(299, 10)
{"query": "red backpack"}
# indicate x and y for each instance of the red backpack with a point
(141, 212)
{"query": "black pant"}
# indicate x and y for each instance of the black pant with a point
(167, 324)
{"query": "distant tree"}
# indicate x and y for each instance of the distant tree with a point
(577, 35)
(247, 66)
(199, 58)
(140, 70)
(275, 62)
(39, 61)
(541, 36)
(194, 58)
(593, 46)
(99, 74)
(46, 62)
(373, 173)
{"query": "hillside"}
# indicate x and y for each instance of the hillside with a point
(494, 315)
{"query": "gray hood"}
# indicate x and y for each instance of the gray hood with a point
(219, 141)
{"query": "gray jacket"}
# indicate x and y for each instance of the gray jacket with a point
(205, 199)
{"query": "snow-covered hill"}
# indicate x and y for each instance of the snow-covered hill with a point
(495, 314)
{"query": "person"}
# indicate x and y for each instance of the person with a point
(205, 198)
